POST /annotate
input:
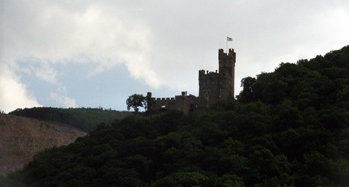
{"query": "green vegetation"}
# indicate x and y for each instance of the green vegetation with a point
(136, 100)
(86, 119)
(287, 128)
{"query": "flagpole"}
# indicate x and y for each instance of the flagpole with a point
(228, 39)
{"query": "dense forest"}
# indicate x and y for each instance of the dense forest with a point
(86, 119)
(289, 127)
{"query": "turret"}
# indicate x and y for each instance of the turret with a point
(226, 64)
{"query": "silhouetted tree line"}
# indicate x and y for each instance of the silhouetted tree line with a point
(86, 119)
(287, 128)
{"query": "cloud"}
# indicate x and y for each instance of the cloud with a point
(69, 32)
(54, 32)
(63, 100)
(35, 67)
(13, 94)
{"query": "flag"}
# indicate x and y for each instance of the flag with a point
(229, 39)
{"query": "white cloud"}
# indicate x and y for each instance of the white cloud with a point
(62, 31)
(63, 100)
(13, 93)
(47, 73)
(54, 32)
(35, 67)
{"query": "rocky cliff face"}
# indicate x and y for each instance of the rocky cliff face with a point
(21, 138)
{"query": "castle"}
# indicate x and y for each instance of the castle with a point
(214, 87)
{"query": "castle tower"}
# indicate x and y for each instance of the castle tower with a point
(216, 86)
(226, 64)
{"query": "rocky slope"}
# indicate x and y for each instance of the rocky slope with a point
(21, 138)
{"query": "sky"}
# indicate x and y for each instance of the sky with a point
(95, 53)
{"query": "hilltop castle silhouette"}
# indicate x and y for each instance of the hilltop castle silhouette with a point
(214, 87)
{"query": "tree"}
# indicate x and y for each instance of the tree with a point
(247, 94)
(135, 101)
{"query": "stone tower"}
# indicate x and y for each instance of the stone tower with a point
(227, 72)
(218, 86)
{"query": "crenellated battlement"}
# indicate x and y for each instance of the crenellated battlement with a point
(164, 99)
(208, 73)
(183, 94)
(231, 53)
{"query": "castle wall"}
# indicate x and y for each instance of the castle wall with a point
(182, 103)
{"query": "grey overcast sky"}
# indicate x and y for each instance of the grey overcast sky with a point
(84, 53)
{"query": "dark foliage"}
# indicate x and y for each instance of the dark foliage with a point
(136, 100)
(287, 128)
